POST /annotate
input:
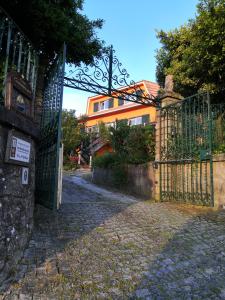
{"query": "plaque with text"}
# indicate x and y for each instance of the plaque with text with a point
(18, 149)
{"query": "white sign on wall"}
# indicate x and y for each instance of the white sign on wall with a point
(25, 175)
(20, 150)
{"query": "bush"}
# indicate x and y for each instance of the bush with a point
(113, 162)
(140, 144)
(131, 145)
(107, 160)
(68, 164)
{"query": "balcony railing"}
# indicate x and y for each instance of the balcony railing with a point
(16, 54)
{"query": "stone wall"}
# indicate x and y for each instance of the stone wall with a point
(140, 179)
(219, 180)
(16, 199)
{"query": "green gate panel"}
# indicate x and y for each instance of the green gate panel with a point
(47, 161)
(186, 174)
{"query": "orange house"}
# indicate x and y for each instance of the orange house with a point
(108, 110)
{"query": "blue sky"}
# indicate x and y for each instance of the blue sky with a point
(130, 26)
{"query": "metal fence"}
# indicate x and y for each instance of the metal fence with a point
(186, 151)
(16, 53)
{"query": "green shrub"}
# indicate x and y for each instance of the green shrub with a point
(140, 144)
(107, 160)
(69, 165)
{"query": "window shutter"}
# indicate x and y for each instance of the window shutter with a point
(96, 107)
(120, 101)
(145, 119)
(111, 102)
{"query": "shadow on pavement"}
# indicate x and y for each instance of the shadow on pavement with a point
(192, 263)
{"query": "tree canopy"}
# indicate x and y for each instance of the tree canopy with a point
(195, 52)
(50, 23)
(71, 131)
(131, 144)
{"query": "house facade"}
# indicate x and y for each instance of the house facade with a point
(108, 110)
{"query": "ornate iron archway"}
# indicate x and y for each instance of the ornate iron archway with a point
(106, 76)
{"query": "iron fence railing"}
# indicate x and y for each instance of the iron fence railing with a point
(185, 129)
(185, 144)
(16, 54)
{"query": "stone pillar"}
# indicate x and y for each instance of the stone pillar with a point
(16, 191)
(168, 98)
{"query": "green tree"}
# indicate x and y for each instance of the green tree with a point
(140, 144)
(131, 144)
(195, 53)
(71, 132)
(104, 132)
(118, 136)
(74, 137)
(50, 23)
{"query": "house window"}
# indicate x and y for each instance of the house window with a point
(120, 101)
(103, 105)
(96, 107)
(142, 120)
(111, 124)
(145, 119)
(127, 98)
(123, 101)
(135, 121)
(109, 103)
(95, 129)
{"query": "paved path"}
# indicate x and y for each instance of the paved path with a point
(107, 246)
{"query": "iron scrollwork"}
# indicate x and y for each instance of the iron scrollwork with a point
(106, 76)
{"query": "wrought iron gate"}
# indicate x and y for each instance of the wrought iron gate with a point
(48, 154)
(185, 164)
(105, 76)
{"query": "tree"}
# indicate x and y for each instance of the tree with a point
(71, 131)
(74, 137)
(50, 23)
(195, 53)
(131, 144)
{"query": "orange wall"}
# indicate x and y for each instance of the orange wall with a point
(90, 110)
(104, 149)
(126, 111)
(124, 115)
(92, 100)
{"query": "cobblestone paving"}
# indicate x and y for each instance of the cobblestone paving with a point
(96, 248)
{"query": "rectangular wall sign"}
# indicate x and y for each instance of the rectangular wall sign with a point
(19, 150)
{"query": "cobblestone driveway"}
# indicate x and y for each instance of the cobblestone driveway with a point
(102, 248)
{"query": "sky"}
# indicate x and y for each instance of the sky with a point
(130, 26)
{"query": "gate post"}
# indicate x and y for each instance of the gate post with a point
(169, 97)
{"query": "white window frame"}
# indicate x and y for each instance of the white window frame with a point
(104, 105)
(125, 101)
(135, 121)
(111, 124)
